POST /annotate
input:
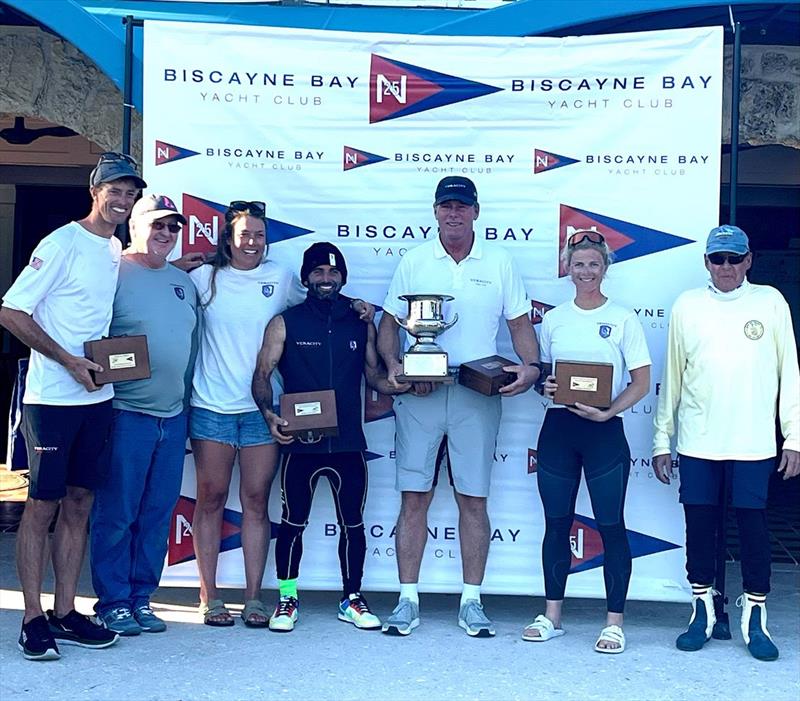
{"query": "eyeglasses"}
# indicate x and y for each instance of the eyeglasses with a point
(722, 258)
(160, 226)
(585, 235)
(256, 208)
(112, 156)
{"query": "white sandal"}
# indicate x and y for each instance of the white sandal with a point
(544, 626)
(611, 634)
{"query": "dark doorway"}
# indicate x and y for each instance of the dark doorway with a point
(39, 209)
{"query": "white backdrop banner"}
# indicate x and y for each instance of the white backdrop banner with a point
(345, 135)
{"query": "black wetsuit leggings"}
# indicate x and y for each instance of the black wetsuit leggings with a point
(347, 474)
(568, 442)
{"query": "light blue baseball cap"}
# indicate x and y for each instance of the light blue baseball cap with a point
(727, 239)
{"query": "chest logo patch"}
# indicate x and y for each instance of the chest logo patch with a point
(353, 345)
(754, 330)
(604, 330)
(267, 290)
(180, 293)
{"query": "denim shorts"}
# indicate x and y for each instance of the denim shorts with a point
(238, 430)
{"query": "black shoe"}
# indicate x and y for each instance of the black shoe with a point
(76, 629)
(36, 641)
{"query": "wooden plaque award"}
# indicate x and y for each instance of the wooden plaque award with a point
(122, 358)
(584, 382)
(311, 415)
(486, 375)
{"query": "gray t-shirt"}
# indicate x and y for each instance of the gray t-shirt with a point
(162, 305)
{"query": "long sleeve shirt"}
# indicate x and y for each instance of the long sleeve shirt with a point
(731, 367)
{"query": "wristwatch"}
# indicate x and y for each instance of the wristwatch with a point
(537, 364)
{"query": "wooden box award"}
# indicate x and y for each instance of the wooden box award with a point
(584, 382)
(122, 358)
(311, 415)
(486, 375)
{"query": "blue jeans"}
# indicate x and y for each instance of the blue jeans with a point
(131, 513)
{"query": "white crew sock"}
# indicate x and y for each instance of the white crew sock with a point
(470, 591)
(410, 591)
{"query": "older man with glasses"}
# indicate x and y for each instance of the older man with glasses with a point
(131, 513)
(61, 299)
(731, 362)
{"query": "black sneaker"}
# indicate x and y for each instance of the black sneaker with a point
(76, 629)
(36, 641)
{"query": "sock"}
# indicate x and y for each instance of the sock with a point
(470, 591)
(288, 587)
(410, 591)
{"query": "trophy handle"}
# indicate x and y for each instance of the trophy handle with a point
(450, 323)
(402, 323)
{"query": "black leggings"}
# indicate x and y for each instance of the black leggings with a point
(347, 474)
(568, 442)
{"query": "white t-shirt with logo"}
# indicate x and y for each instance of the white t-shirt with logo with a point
(609, 334)
(68, 288)
(486, 287)
(233, 330)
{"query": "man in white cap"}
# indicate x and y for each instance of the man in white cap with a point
(132, 508)
(61, 299)
(731, 362)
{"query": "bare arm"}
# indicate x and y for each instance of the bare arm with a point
(34, 336)
(374, 370)
(526, 347)
(268, 357)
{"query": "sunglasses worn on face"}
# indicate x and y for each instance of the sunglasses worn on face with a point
(256, 208)
(160, 225)
(112, 156)
(585, 235)
(721, 258)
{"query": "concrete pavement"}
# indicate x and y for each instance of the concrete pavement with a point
(325, 659)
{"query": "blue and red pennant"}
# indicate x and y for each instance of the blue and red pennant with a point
(355, 158)
(207, 220)
(167, 153)
(625, 239)
(398, 89)
(587, 546)
(545, 160)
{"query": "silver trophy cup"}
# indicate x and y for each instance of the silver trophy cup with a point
(425, 361)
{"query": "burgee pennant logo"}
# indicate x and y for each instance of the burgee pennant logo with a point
(355, 158)
(166, 153)
(625, 239)
(544, 161)
(206, 221)
(587, 545)
(398, 89)
(181, 541)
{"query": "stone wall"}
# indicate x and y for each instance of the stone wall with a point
(44, 76)
(770, 96)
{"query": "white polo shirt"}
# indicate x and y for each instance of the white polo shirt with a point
(486, 287)
(68, 288)
(233, 330)
(609, 334)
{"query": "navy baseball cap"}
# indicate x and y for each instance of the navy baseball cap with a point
(152, 207)
(454, 187)
(115, 166)
(727, 239)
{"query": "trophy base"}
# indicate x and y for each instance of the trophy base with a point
(425, 367)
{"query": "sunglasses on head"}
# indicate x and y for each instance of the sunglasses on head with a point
(721, 258)
(113, 156)
(160, 226)
(256, 208)
(585, 235)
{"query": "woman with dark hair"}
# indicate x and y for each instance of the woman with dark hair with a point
(589, 328)
(239, 292)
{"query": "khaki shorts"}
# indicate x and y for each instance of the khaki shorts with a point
(468, 419)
